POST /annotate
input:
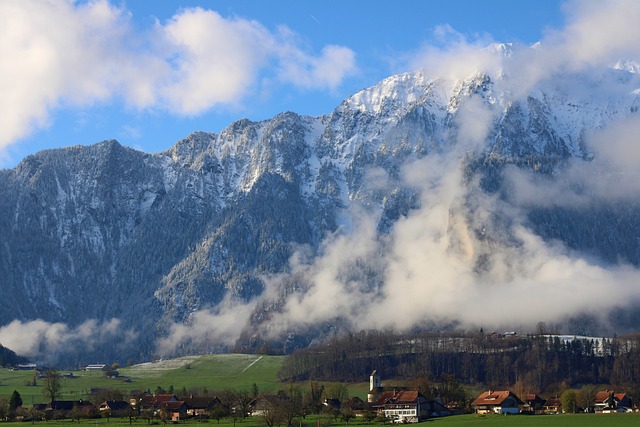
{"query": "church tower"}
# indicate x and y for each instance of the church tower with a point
(375, 386)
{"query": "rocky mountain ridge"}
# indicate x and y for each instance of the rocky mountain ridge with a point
(105, 232)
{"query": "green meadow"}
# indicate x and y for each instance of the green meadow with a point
(566, 420)
(213, 372)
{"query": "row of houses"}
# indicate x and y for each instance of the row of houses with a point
(506, 402)
(394, 404)
(167, 405)
(409, 406)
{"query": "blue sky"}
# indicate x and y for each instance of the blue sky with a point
(148, 73)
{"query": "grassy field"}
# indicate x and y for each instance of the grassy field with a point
(214, 372)
(581, 420)
(565, 420)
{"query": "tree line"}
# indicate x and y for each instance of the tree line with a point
(539, 361)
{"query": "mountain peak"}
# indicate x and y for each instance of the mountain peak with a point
(259, 220)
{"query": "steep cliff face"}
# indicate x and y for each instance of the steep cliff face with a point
(105, 231)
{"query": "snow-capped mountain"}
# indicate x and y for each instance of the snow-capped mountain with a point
(106, 232)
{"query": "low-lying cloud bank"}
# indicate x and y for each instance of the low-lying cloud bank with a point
(465, 256)
(44, 341)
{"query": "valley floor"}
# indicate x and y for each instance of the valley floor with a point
(471, 420)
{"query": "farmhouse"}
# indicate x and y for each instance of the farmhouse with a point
(533, 404)
(608, 401)
(152, 402)
(26, 366)
(200, 406)
(96, 367)
(265, 404)
(68, 406)
(115, 408)
(552, 406)
(497, 402)
(406, 406)
(174, 410)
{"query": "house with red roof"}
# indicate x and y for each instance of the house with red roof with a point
(497, 402)
(609, 401)
(405, 406)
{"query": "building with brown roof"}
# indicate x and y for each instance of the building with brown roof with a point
(115, 408)
(405, 406)
(552, 406)
(607, 401)
(154, 401)
(175, 410)
(265, 404)
(533, 403)
(497, 402)
(200, 406)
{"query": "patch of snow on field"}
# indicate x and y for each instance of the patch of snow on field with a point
(163, 365)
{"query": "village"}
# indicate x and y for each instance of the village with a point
(384, 403)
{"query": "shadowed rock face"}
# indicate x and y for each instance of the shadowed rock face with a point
(104, 231)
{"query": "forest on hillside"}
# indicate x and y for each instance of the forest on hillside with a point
(10, 358)
(538, 363)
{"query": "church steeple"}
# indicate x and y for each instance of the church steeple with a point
(375, 385)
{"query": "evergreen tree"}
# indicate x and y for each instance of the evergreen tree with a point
(15, 401)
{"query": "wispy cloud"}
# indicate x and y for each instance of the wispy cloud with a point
(60, 54)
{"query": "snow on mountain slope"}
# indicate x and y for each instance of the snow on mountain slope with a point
(241, 220)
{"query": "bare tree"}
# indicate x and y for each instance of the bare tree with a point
(4, 408)
(243, 399)
(218, 411)
(347, 414)
(228, 398)
(52, 385)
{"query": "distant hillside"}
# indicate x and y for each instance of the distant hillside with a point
(497, 360)
(9, 358)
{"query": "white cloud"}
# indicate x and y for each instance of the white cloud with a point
(41, 339)
(216, 59)
(598, 33)
(205, 328)
(612, 176)
(324, 72)
(52, 53)
(61, 54)
(456, 58)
